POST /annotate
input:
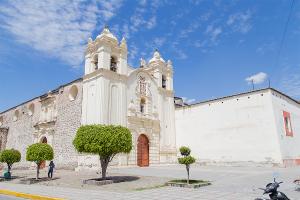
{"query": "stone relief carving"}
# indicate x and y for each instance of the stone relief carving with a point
(143, 87)
(49, 112)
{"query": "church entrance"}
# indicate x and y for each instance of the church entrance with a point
(143, 151)
(43, 163)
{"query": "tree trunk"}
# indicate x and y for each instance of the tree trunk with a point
(8, 168)
(37, 171)
(188, 173)
(104, 164)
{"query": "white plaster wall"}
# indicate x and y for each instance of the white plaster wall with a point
(239, 128)
(290, 146)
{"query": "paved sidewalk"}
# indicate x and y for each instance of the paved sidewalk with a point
(229, 183)
(4, 197)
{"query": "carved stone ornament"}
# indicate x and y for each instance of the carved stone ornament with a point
(142, 86)
(143, 63)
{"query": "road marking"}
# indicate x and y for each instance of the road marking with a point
(27, 196)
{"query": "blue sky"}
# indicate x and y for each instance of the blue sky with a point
(215, 46)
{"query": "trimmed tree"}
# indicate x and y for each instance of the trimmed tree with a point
(38, 153)
(10, 156)
(186, 160)
(103, 140)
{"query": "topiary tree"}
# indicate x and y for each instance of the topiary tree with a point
(38, 153)
(103, 140)
(186, 160)
(10, 156)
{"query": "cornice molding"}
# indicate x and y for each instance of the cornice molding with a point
(105, 73)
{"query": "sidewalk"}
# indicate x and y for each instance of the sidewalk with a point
(229, 183)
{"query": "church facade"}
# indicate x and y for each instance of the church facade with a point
(258, 126)
(110, 92)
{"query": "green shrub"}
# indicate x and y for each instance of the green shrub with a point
(103, 140)
(186, 160)
(38, 153)
(184, 151)
(10, 156)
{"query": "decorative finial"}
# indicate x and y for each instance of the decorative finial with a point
(143, 63)
(169, 63)
(156, 57)
(156, 54)
(123, 40)
(123, 43)
(106, 29)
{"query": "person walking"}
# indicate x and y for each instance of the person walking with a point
(51, 168)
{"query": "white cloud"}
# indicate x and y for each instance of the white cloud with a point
(57, 28)
(265, 48)
(159, 41)
(213, 32)
(151, 23)
(240, 22)
(187, 100)
(257, 78)
(190, 29)
(133, 53)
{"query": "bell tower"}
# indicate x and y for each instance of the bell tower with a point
(104, 82)
(163, 73)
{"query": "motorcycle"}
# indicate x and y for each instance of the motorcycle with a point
(271, 189)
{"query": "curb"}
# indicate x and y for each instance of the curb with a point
(27, 196)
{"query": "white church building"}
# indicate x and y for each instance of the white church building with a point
(260, 126)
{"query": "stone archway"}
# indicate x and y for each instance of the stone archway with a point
(143, 151)
(43, 140)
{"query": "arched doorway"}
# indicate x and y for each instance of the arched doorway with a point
(143, 151)
(43, 164)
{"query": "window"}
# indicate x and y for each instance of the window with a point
(95, 62)
(163, 81)
(113, 64)
(142, 105)
(287, 124)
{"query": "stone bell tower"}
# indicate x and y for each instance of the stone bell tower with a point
(163, 73)
(104, 82)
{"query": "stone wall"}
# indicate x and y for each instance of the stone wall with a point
(27, 124)
(68, 121)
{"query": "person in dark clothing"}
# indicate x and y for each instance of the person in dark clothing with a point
(50, 171)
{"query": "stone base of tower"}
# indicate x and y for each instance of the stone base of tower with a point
(168, 156)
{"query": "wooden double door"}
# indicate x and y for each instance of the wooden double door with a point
(143, 151)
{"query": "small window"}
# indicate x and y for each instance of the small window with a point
(287, 124)
(1, 121)
(142, 105)
(95, 62)
(163, 81)
(31, 109)
(73, 93)
(16, 115)
(113, 64)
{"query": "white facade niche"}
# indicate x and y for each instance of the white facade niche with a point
(73, 92)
